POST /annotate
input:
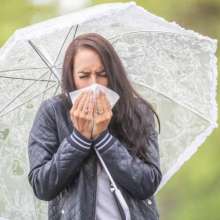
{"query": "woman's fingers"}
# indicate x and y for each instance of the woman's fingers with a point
(82, 102)
(103, 110)
(88, 107)
(82, 116)
(99, 102)
(105, 103)
(76, 103)
(91, 106)
(85, 107)
(102, 104)
(101, 119)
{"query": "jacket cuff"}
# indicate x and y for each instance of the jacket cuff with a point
(79, 141)
(103, 141)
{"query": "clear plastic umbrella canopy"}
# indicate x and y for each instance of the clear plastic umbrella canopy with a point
(173, 68)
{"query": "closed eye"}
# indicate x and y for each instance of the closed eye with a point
(83, 76)
(101, 73)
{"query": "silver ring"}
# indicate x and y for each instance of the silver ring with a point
(86, 111)
(99, 112)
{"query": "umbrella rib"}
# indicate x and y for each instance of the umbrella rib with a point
(44, 59)
(63, 44)
(77, 26)
(31, 79)
(19, 94)
(27, 101)
(185, 106)
(13, 70)
(46, 86)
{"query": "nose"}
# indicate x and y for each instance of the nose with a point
(93, 79)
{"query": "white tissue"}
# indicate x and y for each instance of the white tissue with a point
(110, 94)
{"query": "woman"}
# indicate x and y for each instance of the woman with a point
(64, 168)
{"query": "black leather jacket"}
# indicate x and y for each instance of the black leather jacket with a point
(64, 173)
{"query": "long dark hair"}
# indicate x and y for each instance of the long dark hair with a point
(129, 121)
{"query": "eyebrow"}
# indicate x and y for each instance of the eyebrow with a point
(84, 71)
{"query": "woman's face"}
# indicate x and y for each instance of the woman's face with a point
(88, 69)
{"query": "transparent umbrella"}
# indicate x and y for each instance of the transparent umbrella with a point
(173, 68)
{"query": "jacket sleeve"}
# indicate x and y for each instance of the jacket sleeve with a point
(53, 164)
(141, 179)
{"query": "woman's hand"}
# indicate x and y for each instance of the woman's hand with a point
(102, 114)
(81, 114)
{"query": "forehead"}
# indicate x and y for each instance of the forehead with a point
(87, 58)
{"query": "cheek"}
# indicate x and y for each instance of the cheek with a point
(80, 84)
(103, 81)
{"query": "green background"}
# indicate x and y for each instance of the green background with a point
(194, 192)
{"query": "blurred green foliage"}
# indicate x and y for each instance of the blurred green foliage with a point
(194, 192)
(16, 14)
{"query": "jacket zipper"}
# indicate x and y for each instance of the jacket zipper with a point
(95, 192)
